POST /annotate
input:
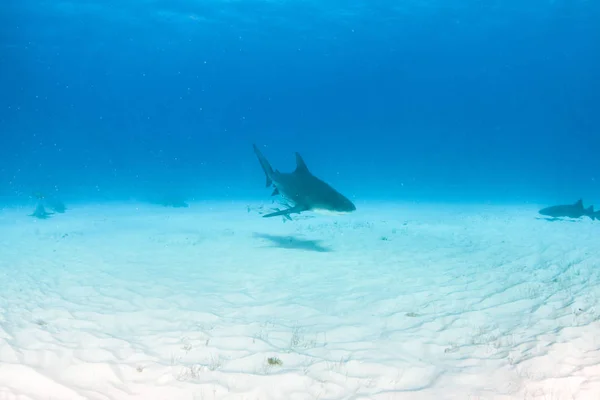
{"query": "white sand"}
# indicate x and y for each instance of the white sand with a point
(144, 302)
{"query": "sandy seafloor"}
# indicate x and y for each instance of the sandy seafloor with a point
(404, 301)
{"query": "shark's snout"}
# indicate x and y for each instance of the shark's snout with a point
(345, 206)
(350, 206)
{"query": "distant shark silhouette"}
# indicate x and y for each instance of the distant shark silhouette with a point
(52, 202)
(40, 212)
(56, 205)
(574, 210)
(305, 191)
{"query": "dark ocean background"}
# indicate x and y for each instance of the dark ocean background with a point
(433, 101)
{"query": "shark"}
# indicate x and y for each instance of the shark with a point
(303, 190)
(40, 212)
(575, 210)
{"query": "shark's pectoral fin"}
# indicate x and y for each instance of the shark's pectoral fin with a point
(275, 192)
(287, 211)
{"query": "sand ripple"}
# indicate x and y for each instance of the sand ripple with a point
(396, 302)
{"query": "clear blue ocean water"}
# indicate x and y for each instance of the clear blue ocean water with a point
(462, 101)
(447, 123)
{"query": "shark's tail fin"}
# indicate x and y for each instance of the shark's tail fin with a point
(265, 165)
(590, 212)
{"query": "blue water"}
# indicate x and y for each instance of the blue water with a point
(469, 101)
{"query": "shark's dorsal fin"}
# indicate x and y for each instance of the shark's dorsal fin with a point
(301, 165)
(579, 203)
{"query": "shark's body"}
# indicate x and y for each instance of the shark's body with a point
(575, 210)
(305, 191)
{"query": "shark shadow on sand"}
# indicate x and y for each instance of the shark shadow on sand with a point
(549, 219)
(292, 242)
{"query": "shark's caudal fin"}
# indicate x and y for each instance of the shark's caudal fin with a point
(265, 165)
(590, 212)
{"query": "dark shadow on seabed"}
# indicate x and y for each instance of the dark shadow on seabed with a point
(291, 242)
(556, 219)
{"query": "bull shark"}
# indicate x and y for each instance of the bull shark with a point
(40, 212)
(303, 190)
(575, 210)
